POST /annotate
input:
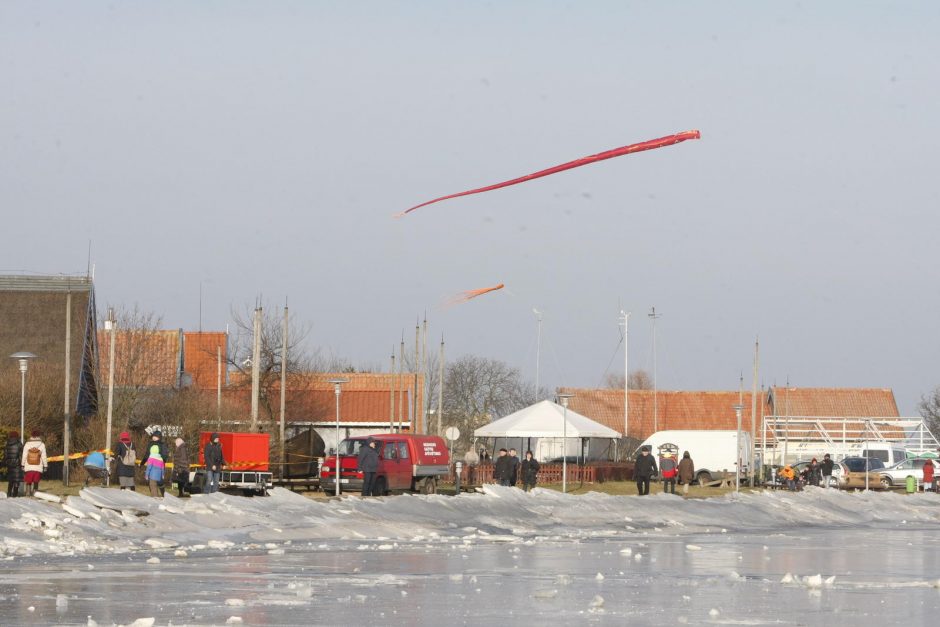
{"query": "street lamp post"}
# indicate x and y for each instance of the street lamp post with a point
(110, 325)
(336, 383)
(23, 358)
(564, 442)
(737, 464)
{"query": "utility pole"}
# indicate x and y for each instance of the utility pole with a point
(67, 422)
(256, 370)
(625, 318)
(425, 402)
(538, 351)
(283, 392)
(391, 399)
(440, 389)
(110, 326)
(218, 386)
(418, 427)
(786, 422)
(401, 383)
(754, 416)
(653, 316)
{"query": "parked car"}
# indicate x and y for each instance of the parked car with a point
(898, 473)
(855, 469)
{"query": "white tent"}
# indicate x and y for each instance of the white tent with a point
(546, 421)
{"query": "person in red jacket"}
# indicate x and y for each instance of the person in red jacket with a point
(928, 475)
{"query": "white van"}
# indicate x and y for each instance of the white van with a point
(888, 452)
(712, 452)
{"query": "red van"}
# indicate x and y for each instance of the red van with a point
(406, 462)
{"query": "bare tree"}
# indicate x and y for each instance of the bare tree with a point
(477, 391)
(639, 380)
(139, 364)
(929, 408)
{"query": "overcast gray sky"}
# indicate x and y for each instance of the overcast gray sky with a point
(263, 147)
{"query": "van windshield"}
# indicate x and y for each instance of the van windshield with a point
(350, 447)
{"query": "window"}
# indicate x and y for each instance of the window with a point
(403, 450)
(350, 447)
(392, 451)
(876, 454)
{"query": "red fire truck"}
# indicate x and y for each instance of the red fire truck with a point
(406, 462)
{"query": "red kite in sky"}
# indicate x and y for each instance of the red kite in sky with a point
(463, 297)
(601, 156)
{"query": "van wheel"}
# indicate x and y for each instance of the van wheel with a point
(886, 482)
(429, 486)
(380, 488)
(703, 478)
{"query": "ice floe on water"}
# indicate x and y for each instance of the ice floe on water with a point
(103, 520)
(472, 559)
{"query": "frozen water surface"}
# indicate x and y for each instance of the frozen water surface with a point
(763, 559)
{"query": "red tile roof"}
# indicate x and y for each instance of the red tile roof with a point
(715, 409)
(835, 402)
(200, 357)
(141, 358)
(366, 398)
(674, 410)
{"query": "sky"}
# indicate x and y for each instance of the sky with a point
(259, 150)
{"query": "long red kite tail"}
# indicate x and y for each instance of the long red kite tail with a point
(463, 297)
(652, 144)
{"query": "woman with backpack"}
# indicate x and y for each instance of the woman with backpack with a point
(125, 458)
(34, 462)
(14, 456)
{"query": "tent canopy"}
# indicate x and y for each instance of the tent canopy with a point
(545, 419)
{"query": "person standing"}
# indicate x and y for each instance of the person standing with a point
(214, 459)
(502, 469)
(154, 462)
(686, 472)
(13, 454)
(34, 462)
(668, 469)
(826, 468)
(643, 471)
(368, 464)
(514, 465)
(530, 471)
(928, 475)
(813, 473)
(181, 467)
(125, 460)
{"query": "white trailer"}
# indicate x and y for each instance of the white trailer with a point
(714, 453)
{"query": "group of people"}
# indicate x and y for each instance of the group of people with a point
(669, 470)
(815, 473)
(508, 468)
(26, 463)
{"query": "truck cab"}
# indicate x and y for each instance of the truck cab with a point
(407, 462)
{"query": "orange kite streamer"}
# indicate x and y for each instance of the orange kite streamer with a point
(463, 297)
(652, 144)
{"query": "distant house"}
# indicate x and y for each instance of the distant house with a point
(369, 403)
(667, 409)
(164, 359)
(37, 313)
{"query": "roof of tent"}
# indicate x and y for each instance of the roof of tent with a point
(545, 420)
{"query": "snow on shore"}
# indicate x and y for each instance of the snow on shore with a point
(109, 521)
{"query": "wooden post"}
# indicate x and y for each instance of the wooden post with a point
(67, 416)
(283, 391)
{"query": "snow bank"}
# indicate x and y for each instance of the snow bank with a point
(102, 520)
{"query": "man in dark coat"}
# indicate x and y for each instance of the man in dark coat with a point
(181, 467)
(368, 465)
(514, 473)
(13, 454)
(686, 472)
(643, 471)
(530, 471)
(502, 469)
(826, 467)
(214, 461)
